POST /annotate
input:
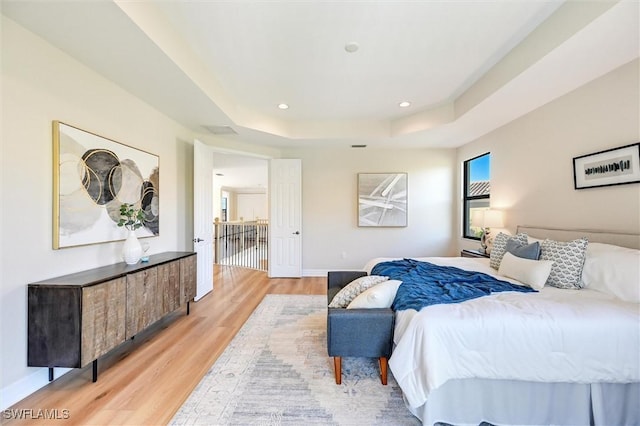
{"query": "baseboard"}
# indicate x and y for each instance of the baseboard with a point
(314, 272)
(24, 387)
(323, 272)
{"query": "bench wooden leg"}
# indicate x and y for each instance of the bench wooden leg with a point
(337, 365)
(383, 370)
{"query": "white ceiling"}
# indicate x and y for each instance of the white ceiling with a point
(265, 53)
(241, 173)
(466, 66)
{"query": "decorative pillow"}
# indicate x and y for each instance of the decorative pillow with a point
(613, 270)
(379, 296)
(568, 261)
(354, 288)
(533, 273)
(526, 251)
(500, 247)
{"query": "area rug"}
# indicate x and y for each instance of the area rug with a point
(276, 371)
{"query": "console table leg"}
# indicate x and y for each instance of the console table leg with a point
(51, 374)
(95, 370)
(187, 308)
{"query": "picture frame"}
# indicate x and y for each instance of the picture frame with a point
(615, 166)
(382, 199)
(92, 177)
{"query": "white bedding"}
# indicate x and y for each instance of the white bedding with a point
(556, 335)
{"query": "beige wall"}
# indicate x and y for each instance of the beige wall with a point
(532, 180)
(41, 84)
(532, 158)
(330, 233)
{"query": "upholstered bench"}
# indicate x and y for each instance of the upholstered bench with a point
(357, 332)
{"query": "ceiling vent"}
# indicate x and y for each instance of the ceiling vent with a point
(221, 130)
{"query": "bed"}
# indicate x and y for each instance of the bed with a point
(556, 356)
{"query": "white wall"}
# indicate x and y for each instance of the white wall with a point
(252, 206)
(532, 158)
(217, 199)
(331, 238)
(41, 84)
(240, 204)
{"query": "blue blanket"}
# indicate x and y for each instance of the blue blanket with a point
(425, 284)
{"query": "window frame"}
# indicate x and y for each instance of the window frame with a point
(466, 199)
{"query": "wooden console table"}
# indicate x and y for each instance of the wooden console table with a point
(75, 319)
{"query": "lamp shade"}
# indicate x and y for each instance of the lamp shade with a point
(477, 218)
(487, 218)
(493, 219)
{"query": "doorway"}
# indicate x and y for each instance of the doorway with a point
(240, 210)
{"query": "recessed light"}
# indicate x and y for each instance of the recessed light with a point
(404, 104)
(283, 106)
(351, 47)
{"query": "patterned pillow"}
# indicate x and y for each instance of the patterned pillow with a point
(568, 261)
(353, 289)
(500, 247)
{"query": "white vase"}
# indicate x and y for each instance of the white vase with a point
(131, 250)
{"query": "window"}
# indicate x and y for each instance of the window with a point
(223, 208)
(477, 189)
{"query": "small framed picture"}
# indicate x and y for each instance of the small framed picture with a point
(382, 199)
(616, 166)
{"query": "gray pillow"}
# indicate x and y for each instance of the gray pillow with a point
(500, 245)
(525, 251)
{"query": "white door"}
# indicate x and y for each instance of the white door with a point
(203, 215)
(285, 218)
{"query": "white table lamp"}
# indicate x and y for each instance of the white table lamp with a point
(486, 219)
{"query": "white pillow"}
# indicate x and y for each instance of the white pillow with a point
(353, 289)
(613, 270)
(379, 296)
(533, 273)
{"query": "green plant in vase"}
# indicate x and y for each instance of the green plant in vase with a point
(132, 219)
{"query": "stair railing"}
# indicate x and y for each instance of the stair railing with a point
(240, 243)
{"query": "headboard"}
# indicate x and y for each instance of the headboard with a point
(623, 239)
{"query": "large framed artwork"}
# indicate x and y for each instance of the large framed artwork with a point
(382, 199)
(616, 166)
(92, 177)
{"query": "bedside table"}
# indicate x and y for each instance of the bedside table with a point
(473, 253)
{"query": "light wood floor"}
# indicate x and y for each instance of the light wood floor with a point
(146, 380)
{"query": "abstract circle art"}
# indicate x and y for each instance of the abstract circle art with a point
(101, 175)
(93, 177)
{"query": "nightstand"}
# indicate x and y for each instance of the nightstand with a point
(473, 253)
